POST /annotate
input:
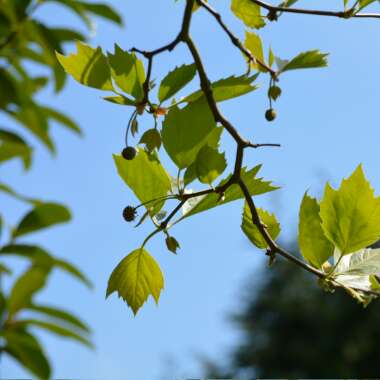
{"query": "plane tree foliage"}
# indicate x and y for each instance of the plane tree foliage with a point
(335, 232)
(28, 65)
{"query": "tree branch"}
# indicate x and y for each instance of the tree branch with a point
(315, 12)
(236, 40)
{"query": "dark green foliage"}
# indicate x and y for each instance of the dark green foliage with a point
(23, 39)
(291, 329)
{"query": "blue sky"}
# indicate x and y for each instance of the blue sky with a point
(327, 125)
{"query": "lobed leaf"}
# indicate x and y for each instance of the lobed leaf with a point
(88, 66)
(135, 278)
(351, 215)
(314, 245)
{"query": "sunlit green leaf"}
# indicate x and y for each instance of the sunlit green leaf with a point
(152, 139)
(249, 12)
(152, 185)
(351, 215)
(120, 99)
(135, 278)
(175, 81)
(255, 46)
(210, 164)
(306, 60)
(128, 72)
(88, 66)
(186, 130)
(251, 230)
(227, 88)
(314, 245)
(255, 185)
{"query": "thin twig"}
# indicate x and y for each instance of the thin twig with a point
(234, 39)
(349, 13)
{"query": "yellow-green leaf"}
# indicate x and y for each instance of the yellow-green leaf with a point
(135, 278)
(255, 46)
(248, 12)
(351, 215)
(314, 245)
(253, 233)
(128, 72)
(146, 177)
(88, 66)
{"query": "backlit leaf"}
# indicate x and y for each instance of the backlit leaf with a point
(135, 278)
(253, 233)
(351, 215)
(88, 66)
(314, 245)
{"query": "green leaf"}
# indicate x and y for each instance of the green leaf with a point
(210, 164)
(255, 185)
(186, 130)
(128, 72)
(41, 257)
(42, 216)
(121, 99)
(306, 60)
(175, 81)
(146, 177)
(253, 233)
(26, 349)
(255, 46)
(56, 329)
(227, 88)
(135, 278)
(88, 66)
(248, 12)
(9, 191)
(102, 10)
(61, 315)
(13, 146)
(59, 117)
(152, 139)
(314, 245)
(26, 286)
(32, 117)
(351, 215)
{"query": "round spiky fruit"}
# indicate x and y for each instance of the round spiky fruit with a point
(270, 114)
(129, 214)
(129, 153)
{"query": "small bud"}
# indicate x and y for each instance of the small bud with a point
(140, 108)
(129, 214)
(270, 114)
(129, 153)
(172, 244)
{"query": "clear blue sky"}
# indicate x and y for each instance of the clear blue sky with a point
(327, 124)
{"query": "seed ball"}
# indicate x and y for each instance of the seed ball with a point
(129, 214)
(270, 114)
(129, 153)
